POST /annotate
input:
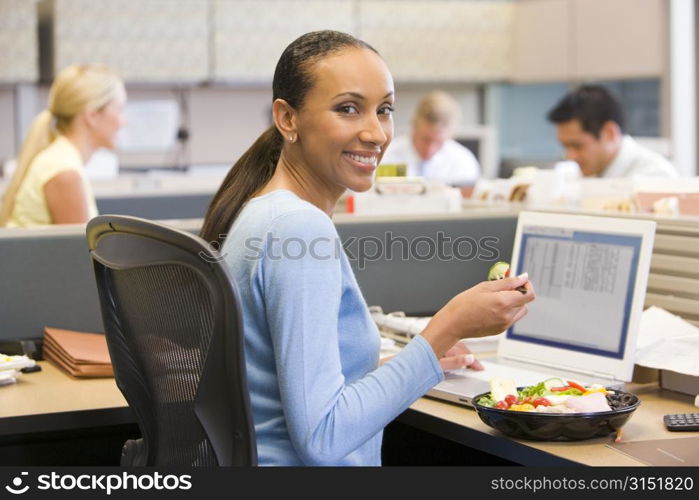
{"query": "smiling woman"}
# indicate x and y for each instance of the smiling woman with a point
(330, 121)
(318, 391)
(341, 136)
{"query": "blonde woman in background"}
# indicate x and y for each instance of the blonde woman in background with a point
(85, 112)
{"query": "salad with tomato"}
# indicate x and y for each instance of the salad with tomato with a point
(553, 395)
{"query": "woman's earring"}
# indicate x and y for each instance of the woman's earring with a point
(291, 138)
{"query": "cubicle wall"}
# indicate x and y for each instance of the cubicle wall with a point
(47, 277)
(46, 280)
(673, 283)
(417, 265)
(164, 206)
(410, 265)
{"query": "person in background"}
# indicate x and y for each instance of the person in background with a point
(430, 150)
(591, 126)
(49, 186)
(318, 391)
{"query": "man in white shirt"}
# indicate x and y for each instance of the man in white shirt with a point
(590, 125)
(429, 151)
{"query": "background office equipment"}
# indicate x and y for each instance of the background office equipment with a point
(681, 422)
(591, 275)
(401, 329)
(482, 141)
(175, 334)
(31, 348)
(405, 196)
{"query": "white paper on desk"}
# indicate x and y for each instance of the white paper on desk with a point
(667, 342)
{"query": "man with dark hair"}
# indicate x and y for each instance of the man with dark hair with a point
(590, 125)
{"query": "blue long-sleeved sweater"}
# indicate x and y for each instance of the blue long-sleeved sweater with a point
(318, 395)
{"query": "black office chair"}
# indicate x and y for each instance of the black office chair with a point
(175, 334)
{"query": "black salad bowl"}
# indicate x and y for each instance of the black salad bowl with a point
(559, 426)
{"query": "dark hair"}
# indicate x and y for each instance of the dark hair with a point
(592, 105)
(292, 81)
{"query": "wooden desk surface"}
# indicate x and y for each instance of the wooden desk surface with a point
(53, 400)
(646, 423)
(52, 390)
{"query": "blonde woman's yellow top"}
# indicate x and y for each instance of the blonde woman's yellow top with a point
(30, 203)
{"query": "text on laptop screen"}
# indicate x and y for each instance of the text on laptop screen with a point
(584, 284)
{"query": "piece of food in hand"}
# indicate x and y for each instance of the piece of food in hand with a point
(501, 270)
(500, 388)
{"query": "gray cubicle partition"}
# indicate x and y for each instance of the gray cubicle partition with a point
(46, 276)
(46, 279)
(424, 262)
(157, 207)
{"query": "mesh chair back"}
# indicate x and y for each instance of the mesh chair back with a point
(174, 329)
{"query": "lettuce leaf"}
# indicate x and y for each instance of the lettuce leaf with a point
(487, 401)
(533, 390)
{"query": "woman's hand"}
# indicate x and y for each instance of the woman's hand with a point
(458, 357)
(488, 308)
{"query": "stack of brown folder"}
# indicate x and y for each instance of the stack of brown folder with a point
(80, 354)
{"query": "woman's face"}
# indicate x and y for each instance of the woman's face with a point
(346, 121)
(109, 119)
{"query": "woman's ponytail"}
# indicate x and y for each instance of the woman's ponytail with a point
(249, 174)
(41, 134)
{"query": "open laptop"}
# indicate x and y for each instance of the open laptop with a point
(589, 274)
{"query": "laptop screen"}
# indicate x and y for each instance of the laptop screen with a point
(590, 275)
(584, 282)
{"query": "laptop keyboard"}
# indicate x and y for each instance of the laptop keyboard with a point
(521, 376)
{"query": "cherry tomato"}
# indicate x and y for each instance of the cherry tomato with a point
(502, 405)
(511, 399)
(541, 402)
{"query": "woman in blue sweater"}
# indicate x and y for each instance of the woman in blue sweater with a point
(319, 393)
